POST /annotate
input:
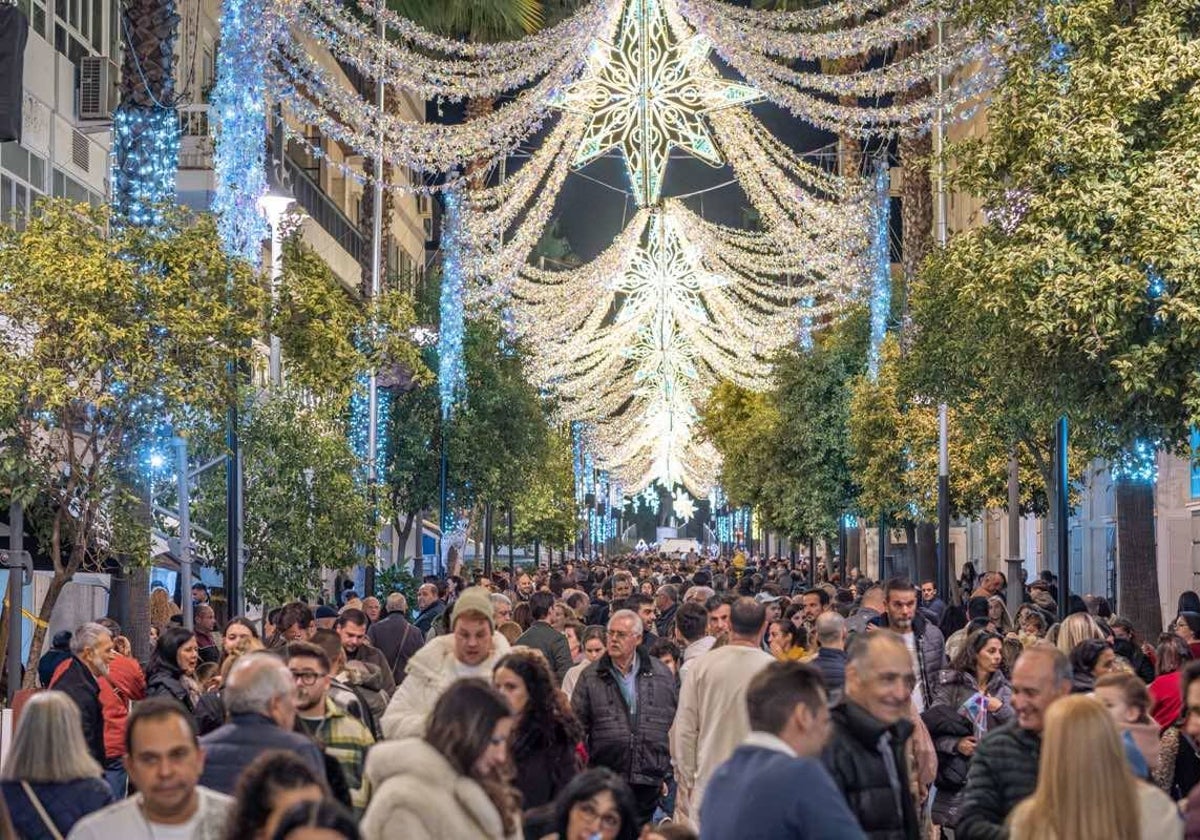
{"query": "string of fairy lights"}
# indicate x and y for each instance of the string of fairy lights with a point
(633, 341)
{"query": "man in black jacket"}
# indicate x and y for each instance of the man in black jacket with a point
(430, 606)
(626, 704)
(924, 642)
(395, 637)
(866, 755)
(91, 652)
(1005, 766)
(260, 698)
(666, 603)
(545, 638)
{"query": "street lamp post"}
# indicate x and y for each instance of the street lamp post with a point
(274, 204)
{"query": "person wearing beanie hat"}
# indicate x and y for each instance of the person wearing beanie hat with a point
(471, 649)
(326, 616)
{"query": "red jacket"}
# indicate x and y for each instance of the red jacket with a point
(1166, 700)
(124, 684)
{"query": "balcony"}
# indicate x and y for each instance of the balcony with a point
(195, 137)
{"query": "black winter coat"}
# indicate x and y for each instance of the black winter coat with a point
(545, 764)
(165, 682)
(78, 683)
(1003, 772)
(858, 768)
(635, 746)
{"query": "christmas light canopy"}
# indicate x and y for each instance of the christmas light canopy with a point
(647, 94)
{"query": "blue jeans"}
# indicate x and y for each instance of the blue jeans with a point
(115, 776)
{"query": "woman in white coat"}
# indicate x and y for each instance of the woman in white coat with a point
(453, 782)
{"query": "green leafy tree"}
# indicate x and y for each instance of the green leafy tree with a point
(412, 462)
(544, 510)
(1085, 274)
(305, 509)
(109, 334)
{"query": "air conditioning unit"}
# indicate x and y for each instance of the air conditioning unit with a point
(97, 88)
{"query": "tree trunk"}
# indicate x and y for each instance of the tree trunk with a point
(1137, 571)
(854, 540)
(57, 582)
(138, 629)
(924, 565)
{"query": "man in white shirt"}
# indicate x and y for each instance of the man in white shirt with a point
(164, 762)
(711, 719)
(691, 634)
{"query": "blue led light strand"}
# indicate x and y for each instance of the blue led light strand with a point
(452, 375)
(881, 260)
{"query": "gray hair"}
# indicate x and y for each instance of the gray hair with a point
(86, 637)
(831, 628)
(699, 594)
(48, 745)
(254, 681)
(396, 602)
(638, 628)
(669, 590)
(498, 598)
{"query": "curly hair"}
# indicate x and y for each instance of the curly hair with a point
(547, 718)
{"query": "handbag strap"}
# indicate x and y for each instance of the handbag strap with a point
(400, 649)
(37, 806)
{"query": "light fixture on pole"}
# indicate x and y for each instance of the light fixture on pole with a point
(274, 204)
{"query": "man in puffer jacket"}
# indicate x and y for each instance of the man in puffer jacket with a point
(472, 649)
(626, 703)
(867, 754)
(925, 643)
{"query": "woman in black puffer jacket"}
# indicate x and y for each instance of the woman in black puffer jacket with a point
(172, 668)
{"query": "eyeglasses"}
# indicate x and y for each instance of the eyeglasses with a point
(608, 820)
(619, 634)
(306, 677)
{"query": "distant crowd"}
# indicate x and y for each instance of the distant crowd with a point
(638, 697)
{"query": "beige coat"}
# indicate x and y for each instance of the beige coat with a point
(711, 719)
(430, 671)
(417, 795)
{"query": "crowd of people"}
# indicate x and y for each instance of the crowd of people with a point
(653, 698)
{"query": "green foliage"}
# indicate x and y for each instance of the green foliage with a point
(330, 338)
(412, 461)
(396, 579)
(304, 509)
(498, 433)
(1089, 263)
(545, 505)
(787, 452)
(109, 334)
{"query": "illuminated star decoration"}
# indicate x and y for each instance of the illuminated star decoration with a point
(683, 505)
(646, 94)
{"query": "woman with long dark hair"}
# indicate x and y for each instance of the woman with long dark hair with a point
(172, 668)
(973, 697)
(1166, 699)
(454, 781)
(596, 804)
(547, 736)
(273, 783)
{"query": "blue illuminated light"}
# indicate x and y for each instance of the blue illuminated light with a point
(452, 375)
(881, 261)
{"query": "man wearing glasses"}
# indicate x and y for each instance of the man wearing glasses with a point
(339, 733)
(260, 699)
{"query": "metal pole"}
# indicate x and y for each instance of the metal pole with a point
(944, 575)
(512, 565)
(185, 530)
(1016, 589)
(275, 364)
(376, 287)
(1062, 514)
(16, 596)
(233, 509)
